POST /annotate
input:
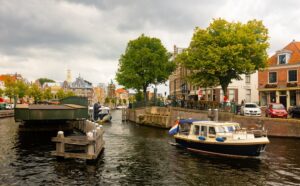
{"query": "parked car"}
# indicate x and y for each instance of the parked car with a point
(294, 112)
(276, 110)
(250, 109)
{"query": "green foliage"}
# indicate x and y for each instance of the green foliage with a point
(44, 80)
(139, 96)
(1, 92)
(69, 93)
(145, 62)
(21, 89)
(124, 101)
(10, 88)
(47, 94)
(60, 94)
(224, 51)
(107, 100)
(35, 92)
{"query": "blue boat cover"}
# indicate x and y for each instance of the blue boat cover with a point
(189, 121)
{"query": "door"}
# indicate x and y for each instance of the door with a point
(282, 100)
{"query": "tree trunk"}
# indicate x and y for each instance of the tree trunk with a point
(145, 95)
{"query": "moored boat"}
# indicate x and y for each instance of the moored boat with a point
(220, 138)
(104, 115)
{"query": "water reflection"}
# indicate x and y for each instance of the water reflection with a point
(139, 155)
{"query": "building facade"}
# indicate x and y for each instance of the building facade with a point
(83, 88)
(279, 82)
(178, 86)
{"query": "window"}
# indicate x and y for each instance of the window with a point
(247, 78)
(212, 130)
(231, 95)
(196, 130)
(248, 95)
(272, 77)
(282, 59)
(292, 75)
(203, 131)
(292, 97)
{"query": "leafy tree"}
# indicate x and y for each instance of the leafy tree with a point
(69, 93)
(139, 96)
(107, 100)
(224, 51)
(124, 101)
(120, 101)
(45, 80)
(60, 94)
(1, 92)
(36, 93)
(10, 88)
(47, 94)
(145, 62)
(21, 89)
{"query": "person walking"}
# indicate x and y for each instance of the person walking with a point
(96, 110)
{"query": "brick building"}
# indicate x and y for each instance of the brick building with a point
(279, 82)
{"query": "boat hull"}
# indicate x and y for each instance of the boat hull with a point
(235, 150)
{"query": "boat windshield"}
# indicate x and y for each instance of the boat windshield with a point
(223, 129)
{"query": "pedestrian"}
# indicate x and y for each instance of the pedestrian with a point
(96, 110)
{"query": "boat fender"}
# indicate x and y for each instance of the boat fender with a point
(220, 139)
(201, 138)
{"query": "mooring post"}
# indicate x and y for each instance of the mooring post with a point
(60, 146)
(91, 146)
(216, 115)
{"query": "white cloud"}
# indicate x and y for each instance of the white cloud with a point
(45, 38)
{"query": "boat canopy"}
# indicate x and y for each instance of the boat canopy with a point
(189, 121)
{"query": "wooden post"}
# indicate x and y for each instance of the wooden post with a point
(60, 146)
(91, 147)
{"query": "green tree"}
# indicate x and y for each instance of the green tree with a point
(139, 96)
(107, 100)
(224, 51)
(36, 93)
(60, 94)
(21, 89)
(1, 92)
(145, 62)
(47, 94)
(45, 80)
(124, 101)
(69, 93)
(10, 88)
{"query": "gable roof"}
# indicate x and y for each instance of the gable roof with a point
(293, 47)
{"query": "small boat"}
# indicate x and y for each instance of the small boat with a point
(219, 138)
(104, 115)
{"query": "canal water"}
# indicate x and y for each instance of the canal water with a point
(140, 155)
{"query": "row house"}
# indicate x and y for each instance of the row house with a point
(178, 86)
(279, 82)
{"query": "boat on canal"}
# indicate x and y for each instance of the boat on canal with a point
(104, 115)
(219, 138)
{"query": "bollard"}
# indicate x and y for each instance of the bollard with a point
(91, 147)
(216, 115)
(210, 114)
(60, 146)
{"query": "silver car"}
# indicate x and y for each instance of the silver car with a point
(250, 109)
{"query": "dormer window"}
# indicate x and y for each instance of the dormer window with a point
(282, 59)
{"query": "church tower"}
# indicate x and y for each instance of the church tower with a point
(69, 78)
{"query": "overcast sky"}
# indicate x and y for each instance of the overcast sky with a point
(44, 38)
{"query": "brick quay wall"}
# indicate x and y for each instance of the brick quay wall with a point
(165, 117)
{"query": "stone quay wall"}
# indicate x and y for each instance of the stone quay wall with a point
(164, 117)
(6, 113)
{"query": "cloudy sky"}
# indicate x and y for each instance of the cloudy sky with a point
(45, 38)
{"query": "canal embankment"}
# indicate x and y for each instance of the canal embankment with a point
(6, 113)
(164, 117)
